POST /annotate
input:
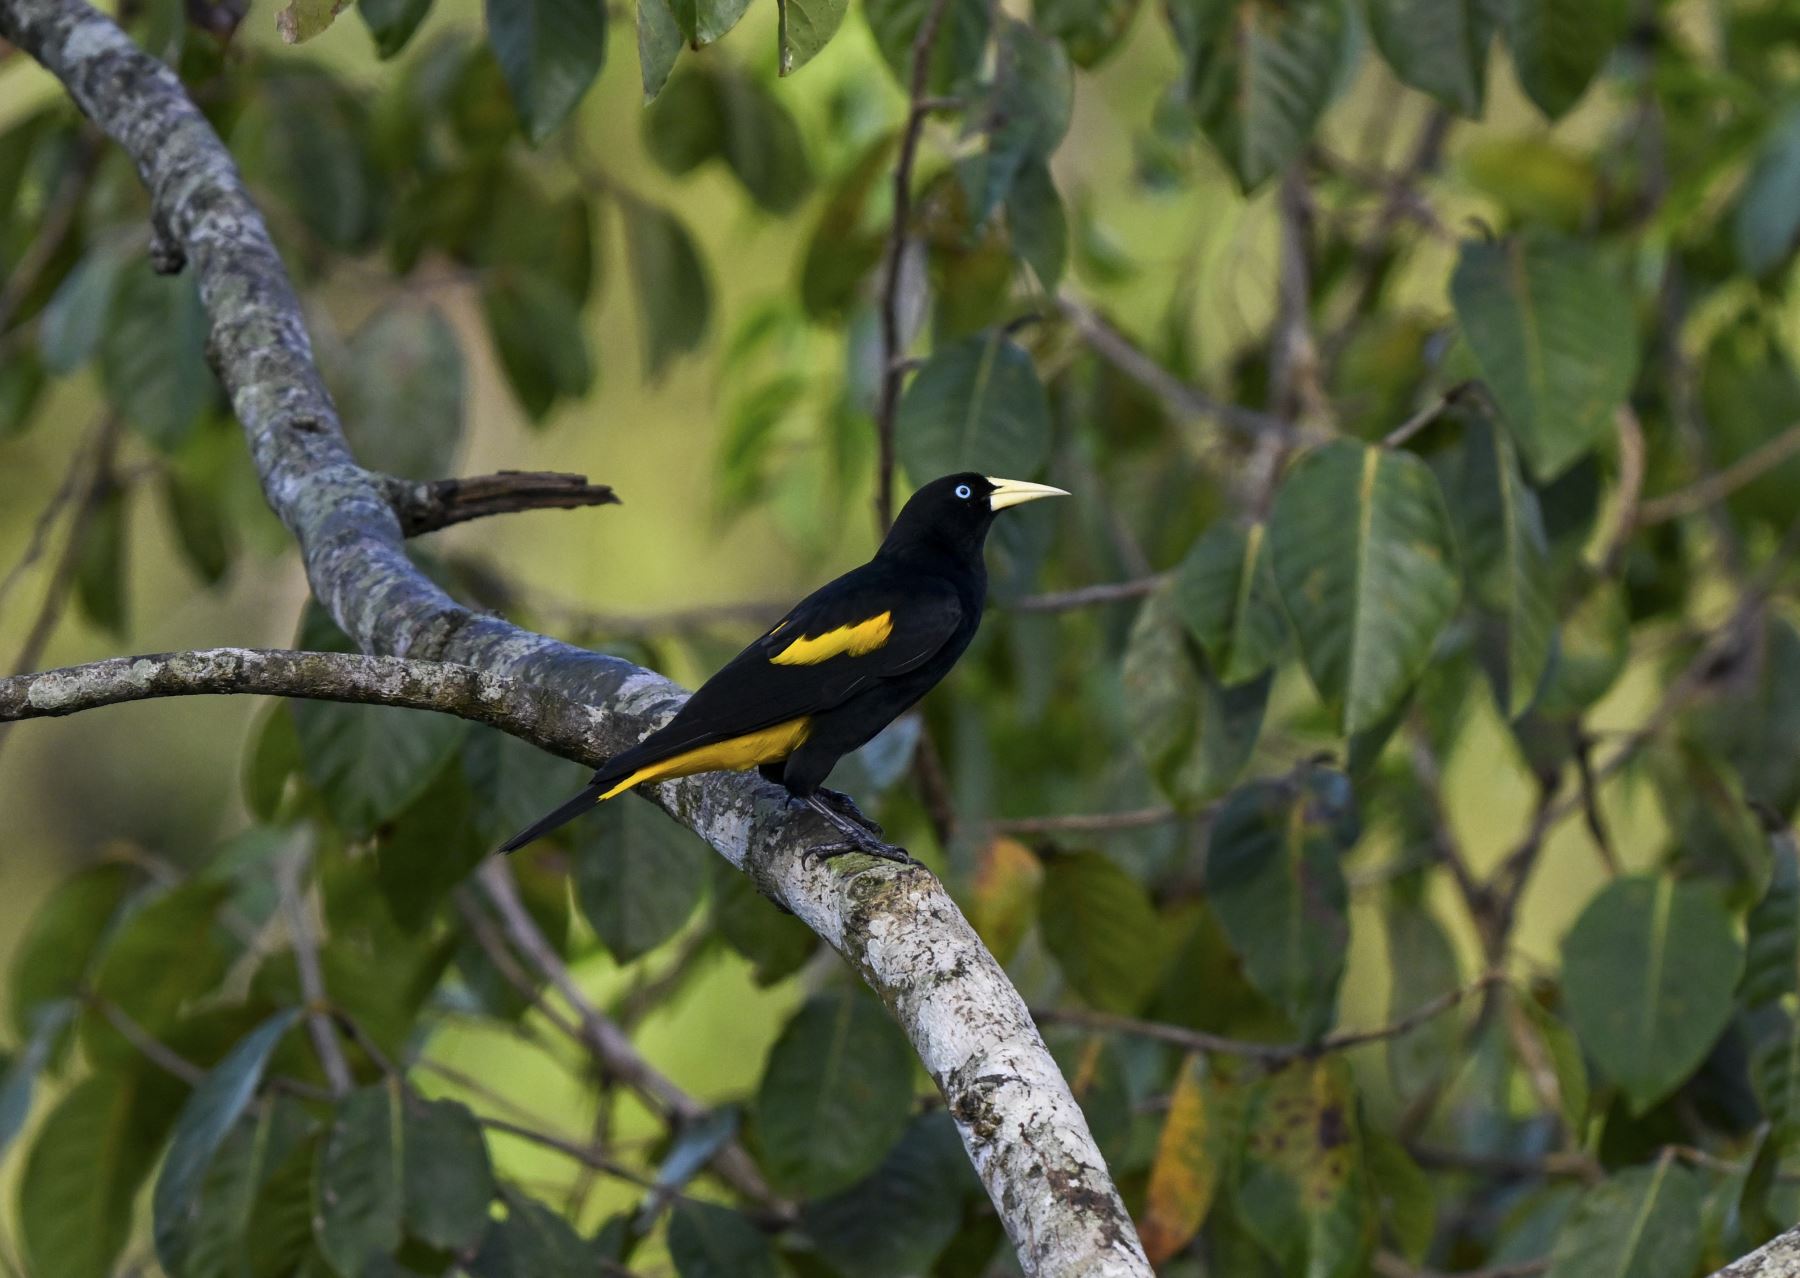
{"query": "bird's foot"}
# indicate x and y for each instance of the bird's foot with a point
(846, 806)
(856, 838)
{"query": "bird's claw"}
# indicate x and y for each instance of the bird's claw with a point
(846, 807)
(874, 847)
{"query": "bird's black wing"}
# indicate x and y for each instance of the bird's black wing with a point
(871, 624)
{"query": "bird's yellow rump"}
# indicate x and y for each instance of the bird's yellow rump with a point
(739, 754)
(845, 641)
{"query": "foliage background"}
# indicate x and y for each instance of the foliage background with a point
(1649, 219)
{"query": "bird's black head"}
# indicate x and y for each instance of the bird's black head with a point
(954, 513)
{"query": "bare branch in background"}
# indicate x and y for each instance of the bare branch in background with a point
(428, 506)
(291, 877)
(1270, 1053)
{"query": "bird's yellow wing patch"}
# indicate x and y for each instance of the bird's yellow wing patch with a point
(845, 641)
(739, 754)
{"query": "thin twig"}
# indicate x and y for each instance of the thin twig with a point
(53, 226)
(46, 520)
(611, 1047)
(1719, 485)
(428, 506)
(1090, 596)
(1428, 414)
(1272, 1053)
(1180, 400)
(1583, 749)
(891, 374)
(1085, 822)
(152, 1049)
(291, 878)
(1629, 516)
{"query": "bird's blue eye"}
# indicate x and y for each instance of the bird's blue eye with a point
(962, 490)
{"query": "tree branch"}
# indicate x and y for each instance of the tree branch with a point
(919, 105)
(428, 506)
(1778, 1258)
(1271, 1053)
(895, 924)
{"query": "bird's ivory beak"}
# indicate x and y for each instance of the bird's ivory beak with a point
(1014, 492)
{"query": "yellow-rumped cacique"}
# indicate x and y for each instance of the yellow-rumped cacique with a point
(843, 663)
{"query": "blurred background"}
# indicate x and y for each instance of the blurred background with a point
(481, 302)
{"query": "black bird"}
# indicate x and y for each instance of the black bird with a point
(844, 663)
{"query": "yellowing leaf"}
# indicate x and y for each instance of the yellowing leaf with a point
(1003, 895)
(1185, 1175)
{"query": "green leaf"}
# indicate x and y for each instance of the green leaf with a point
(513, 783)
(1404, 1198)
(446, 1182)
(549, 51)
(22, 383)
(1192, 1153)
(835, 1094)
(162, 957)
(1643, 1222)
(977, 404)
(1506, 557)
(777, 944)
(429, 849)
(532, 1240)
(845, 245)
(401, 395)
(707, 1241)
(153, 355)
(75, 318)
(638, 876)
(100, 566)
(1558, 46)
(1422, 961)
(1648, 971)
(670, 282)
(1257, 75)
(807, 27)
(1366, 565)
(1225, 591)
(1027, 113)
(221, 1241)
(274, 756)
(899, 1219)
(1775, 1074)
(1592, 646)
(1274, 876)
(309, 137)
(1766, 224)
(716, 109)
(956, 56)
(659, 43)
(20, 1078)
(90, 1155)
(53, 961)
(1566, 1062)
(538, 334)
(1099, 924)
(391, 23)
(1439, 47)
(197, 505)
(1772, 932)
(370, 763)
(1195, 734)
(1551, 328)
(301, 20)
(358, 1193)
(211, 1111)
(1089, 29)
(1301, 1188)
(1037, 225)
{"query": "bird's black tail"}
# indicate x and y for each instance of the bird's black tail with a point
(589, 796)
